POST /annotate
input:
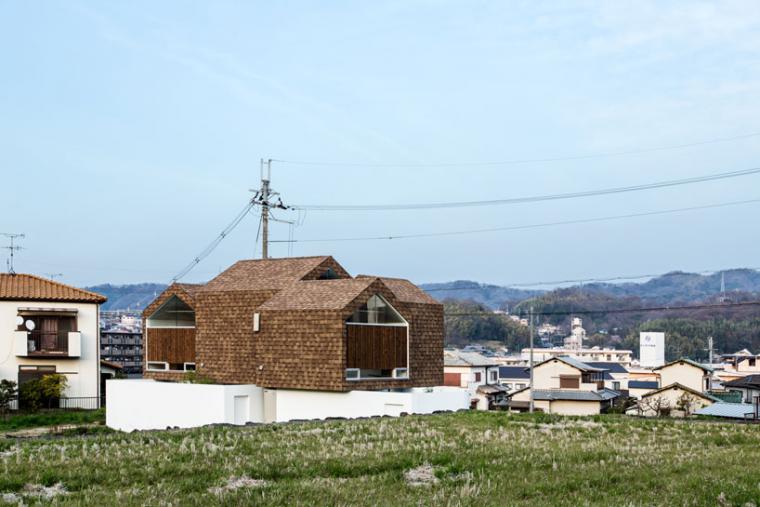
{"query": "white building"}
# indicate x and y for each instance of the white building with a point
(477, 374)
(577, 335)
(651, 349)
(49, 327)
(592, 355)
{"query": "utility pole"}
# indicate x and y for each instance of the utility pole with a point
(710, 348)
(12, 247)
(530, 362)
(266, 176)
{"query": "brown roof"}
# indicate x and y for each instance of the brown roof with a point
(318, 294)
(405, 291)
(109, 364)
(23, 287)
(189, 288)
(263, 274)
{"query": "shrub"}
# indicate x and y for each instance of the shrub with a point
(8, 393)
(193, 377)
(38, 392)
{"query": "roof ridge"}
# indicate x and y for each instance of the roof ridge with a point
(49, 281)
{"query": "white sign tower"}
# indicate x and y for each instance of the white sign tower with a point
(652, 349)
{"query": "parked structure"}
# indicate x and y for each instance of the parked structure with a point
(296, 324)
(49, 327)
(478, 374)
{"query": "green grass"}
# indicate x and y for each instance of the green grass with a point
(478, 458)
(50, 418)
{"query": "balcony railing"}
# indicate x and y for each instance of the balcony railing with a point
(48, 343)
(40, 343)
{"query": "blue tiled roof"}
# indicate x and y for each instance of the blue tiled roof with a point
(642, 384)
(610, 367)
(731, 410)
(519, 372)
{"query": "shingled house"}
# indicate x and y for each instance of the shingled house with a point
(297, 323)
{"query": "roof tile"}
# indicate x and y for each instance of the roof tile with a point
(24, 287)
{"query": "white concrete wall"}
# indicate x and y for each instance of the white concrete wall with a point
(292, 404)
(567, 407)
(143, 404)
(82, 373)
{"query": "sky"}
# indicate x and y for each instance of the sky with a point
(131, 134)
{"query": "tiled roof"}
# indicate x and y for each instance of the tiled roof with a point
(687, 361)
(459, 358)
(682, 388)
(750, 381)
(263, 274)
(575, 363)
(609, 366)
(318, 294)
(23, 287)
(405, 291)
(642, 384)
(519, 372)
(730, 410)
(562, 394)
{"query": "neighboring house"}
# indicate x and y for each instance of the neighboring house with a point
(748, 386)
(476, 373)
(49, 327)
(687, 373)
(616, 375)
(638, 388)
(514, 378)
(294, 338)
(563, 385)
(742, 361)
(674, 400)
(124, 348)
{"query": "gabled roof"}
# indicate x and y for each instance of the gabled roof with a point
(565, 394)
(748, 382)
(459, 358)
(23, 287)
(518, 372)
(683, 388)
(263, 274)
(405, 291)
(318, 294)
(643, 384)
(687, 361)
(609, 366)
(584, 367)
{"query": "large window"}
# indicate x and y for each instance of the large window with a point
(173, 313)
(376, 311)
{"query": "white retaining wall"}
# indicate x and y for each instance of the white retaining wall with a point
(291, 404)
(142, 404)
(146, 404)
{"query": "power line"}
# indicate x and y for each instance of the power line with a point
(517, 227)
(210, 248)
(527, 160)
(589, 280)
(538, 198)
(618, 310)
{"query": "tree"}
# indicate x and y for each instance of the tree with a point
(8, 393)
(687, 403)
(35, 393)
(654, 406)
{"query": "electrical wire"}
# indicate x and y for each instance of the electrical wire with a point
(526, 160)
(537, 198)
(517, 227)
(210, 248)
(618, 310)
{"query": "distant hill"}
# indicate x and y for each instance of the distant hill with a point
(132, 297)
(492, 296)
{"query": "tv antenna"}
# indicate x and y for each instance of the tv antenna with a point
(12, 247)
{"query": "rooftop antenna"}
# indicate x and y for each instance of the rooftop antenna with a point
(12, 248)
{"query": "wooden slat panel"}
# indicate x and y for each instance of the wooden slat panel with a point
(173, 345)
(569, 382)
(452, 379)
(376, 347)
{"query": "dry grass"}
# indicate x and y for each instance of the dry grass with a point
(461, 459)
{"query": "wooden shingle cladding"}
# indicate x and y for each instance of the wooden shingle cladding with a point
(302, 341)
(161, 346)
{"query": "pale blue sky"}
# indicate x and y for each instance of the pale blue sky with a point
(130, 132)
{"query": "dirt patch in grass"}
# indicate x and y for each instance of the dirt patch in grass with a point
(423, 475)
(235, 483)
(36, 492)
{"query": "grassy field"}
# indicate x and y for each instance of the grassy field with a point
(12, 422)
(455, 459)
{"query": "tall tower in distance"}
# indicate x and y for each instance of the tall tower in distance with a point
(577, 335)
